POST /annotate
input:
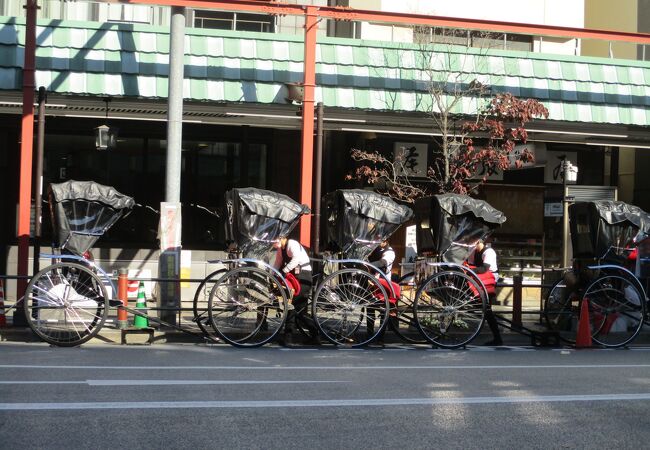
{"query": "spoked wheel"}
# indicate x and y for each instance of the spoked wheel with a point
(449, 309)
(247, 306)
(66, 304)
(404, 324)
(200, 305)
(347, 308)
(616, 310)
(561, 311)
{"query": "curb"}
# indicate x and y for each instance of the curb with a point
(171, 336)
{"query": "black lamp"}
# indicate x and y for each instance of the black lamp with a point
(105, 136)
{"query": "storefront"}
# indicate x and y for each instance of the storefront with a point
(242, 126)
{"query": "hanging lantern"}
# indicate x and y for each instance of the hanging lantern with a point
(105, 137)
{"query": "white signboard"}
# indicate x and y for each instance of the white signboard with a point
(410, 246)
(553, 168)
(553, 209)
(413, 156)
(482, 171)
(516, 153)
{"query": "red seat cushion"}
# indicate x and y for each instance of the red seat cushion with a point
(396, 289)
(293, 283)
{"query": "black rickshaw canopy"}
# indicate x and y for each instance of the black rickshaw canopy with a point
(257, 218)
(358, 220)
(82, 211)
(605, 228)
(448, 225)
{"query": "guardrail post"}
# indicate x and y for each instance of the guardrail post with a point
(517, 282)
(123, 294)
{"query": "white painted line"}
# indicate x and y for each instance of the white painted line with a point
(43, 382)
(324, 403)
(459, 367)
(197, 382)
(168, 382)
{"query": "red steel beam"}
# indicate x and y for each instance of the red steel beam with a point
(349, 14)
(26, 146)
(307, 155)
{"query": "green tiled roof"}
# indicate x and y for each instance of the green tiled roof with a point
(132, 60)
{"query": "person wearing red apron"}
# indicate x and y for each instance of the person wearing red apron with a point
(483, 261)
(292, 258)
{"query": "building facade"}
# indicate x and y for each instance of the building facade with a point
(242, 124)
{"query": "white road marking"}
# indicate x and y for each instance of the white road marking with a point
(167, 382)
(323, 403)
(391, 367)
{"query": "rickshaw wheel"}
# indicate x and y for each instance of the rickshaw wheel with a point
(405, 326)
(561, 310)
(347, 309)
(616, 310)
(66, 304)
(247, 306)
(450, 308)
(200, 304)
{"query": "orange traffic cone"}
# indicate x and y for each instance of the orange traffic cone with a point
(3, 317)
(583, 337)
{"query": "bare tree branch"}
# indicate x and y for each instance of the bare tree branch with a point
(452, 72)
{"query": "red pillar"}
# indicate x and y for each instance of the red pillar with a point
(26, 145)
(307, 155)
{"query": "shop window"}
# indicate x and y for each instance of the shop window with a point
(478, 39)
(209, 170)
(221, 20)
(137, 168)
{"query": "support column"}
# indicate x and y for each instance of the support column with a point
(175, 105)
(26, 150)
(309, 83)
(38, 186)
(315, 246)
(170, 211)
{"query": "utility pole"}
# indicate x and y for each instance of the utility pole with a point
(169, 265)
(569, 173)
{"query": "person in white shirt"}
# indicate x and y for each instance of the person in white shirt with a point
(291, 257)
(483, 261)
(383, 258)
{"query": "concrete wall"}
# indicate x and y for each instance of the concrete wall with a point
(608, 15)
(569, 13)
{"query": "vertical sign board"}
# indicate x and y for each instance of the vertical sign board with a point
(169, 234)
(411, 158)
(553, 170)
(410, 251)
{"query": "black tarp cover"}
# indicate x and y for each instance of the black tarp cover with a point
(358, 220)
(603, 228)
(82, 211)
(256, 217)
(447, 225)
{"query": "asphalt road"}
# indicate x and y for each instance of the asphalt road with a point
(197, 396)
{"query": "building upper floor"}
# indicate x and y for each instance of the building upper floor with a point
(630, 15)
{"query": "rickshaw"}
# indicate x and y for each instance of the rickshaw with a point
(66, 303)
(247, 299)
(603, 234)
(352, 300)
(451, 300)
